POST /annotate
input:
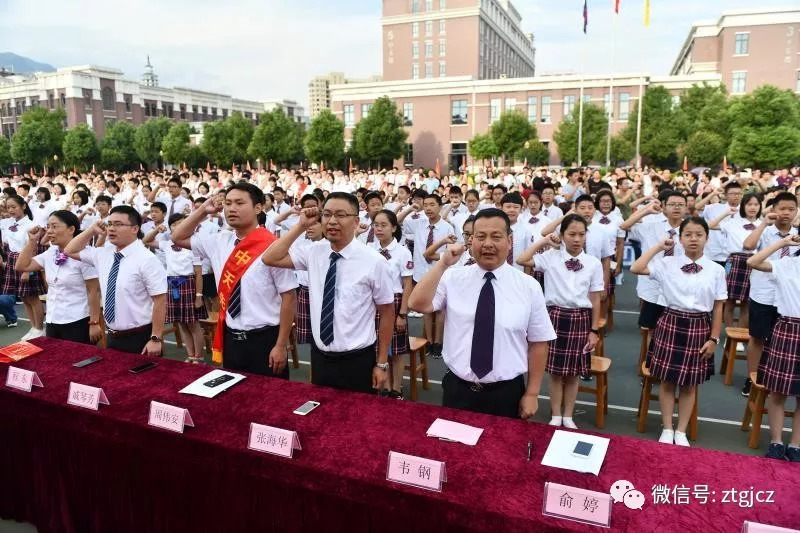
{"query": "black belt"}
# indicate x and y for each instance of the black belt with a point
(481, 387)
(241, 335)
(346, 355)
(128, 332)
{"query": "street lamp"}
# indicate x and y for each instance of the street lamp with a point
(161, 155)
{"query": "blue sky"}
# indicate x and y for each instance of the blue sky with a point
(271, 48)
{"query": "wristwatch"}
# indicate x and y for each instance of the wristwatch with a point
(382, 366)
(198, 294)
(402, 315)
(715, 340)
(155, 338)
(595, 331)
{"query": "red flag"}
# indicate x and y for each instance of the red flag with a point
(208, 167)
(685, 164)
(93, 169)
(616, 7)
(248, 166)
(438, 169)
(585, 16)
(725, 163)
(63, 169)
(141, 167)
(15, 171)
(350, 171)
(184, 165)
(31, 172)
(74, 170)
(271, 165)
(233, 168)
(322, 166)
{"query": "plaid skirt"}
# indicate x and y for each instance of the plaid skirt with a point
(14, 286)
(538, 275)
(779, 370)
(400, 342)
(302, 317)
(739, 277)
(674, 354)
(182, 309)
(566, 356)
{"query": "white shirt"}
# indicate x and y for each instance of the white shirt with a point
(553, 212)
(650, 234)
(180, 203)
(457, 221)
(41, 211)
(693, 293)
(611, 229)
(363, 280)
(66, 287)
(787, 279)
(522, 234)
(734, 233)
(566, 288)
(716, 247)
(15, 232)
(164, 236)
(302, 275)
(140, 277)
(400, 263)
(520, 317)
(440, 230)
(411, 223)
(261, 285)
(762, 284)
(209, 227)
(598, 243)
(180, 262)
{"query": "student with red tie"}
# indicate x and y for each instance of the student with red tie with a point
(573, 292)
(687, 333)
(497, 326)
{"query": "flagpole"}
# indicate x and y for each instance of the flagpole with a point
(580, 106)
(611, 91)
(639, 123)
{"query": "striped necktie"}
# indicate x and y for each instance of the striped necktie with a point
(785, 250)
(671, 251)
(235, 303)
(328, 299)
(111, 289)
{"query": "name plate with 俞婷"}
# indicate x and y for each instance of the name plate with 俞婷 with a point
(86, 396)
(580, 505)
(21, 379)
(169, 417)
(273, 440)
(416, 471)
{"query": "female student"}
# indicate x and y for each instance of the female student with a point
(573, 288)
(779, 371)
(185, 304)
(682, 349)
(466, 259)
(736, 230)
(388, 232)
(302, 317)
(73, 290)
(26, 285)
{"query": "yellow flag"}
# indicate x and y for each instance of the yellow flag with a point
(646, 12)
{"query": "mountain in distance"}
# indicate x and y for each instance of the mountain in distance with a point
(21, 65)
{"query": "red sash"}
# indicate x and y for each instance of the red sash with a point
(248, 250)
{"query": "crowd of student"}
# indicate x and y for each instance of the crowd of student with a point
(511, 273)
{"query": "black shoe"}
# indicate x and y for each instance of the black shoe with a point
(395, 394)
(776, 450)
(435, 351)
(793, 454)
(746, 389)
(587, 377)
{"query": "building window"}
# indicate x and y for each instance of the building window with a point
(511, 104)
(532, 105)
(415, 30)
(194, 113)
(128, 102)
(428, 5)
(587, 98)
(415, 50)
(428, 48)
(494, 110)
(349, 115)
(607, 103)
(624, 105)
(442, 5)
(365, 110)
(569, 104)
(741, 44)
(51, 100)
(458, 112)
(224, 114)
(428, 28)
(415, 71)
(739, 82)
(408, 114)
(442, 48)
(428, 69)
(87, 97)
(442, 27)
(205, 113)
(415, 6)
(183, 111)
(408, 156)
(108, 98)
(546, 109)
(442, 69)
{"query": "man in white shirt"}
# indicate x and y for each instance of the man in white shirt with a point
(348, 283)
(172, 199)
(496, 324)
(522, 234)
(133, 282)
(716, 249)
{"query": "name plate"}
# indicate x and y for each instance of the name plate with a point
(755, 527)
(579, 505)
(272, 440)
(21, 379)
(86, 396)
(169, 417)
(416, 471)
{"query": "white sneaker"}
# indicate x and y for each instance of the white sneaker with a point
(681, 440)
(414, 314)
(27, 335)
(35, 333)
(667, 437)
(555, 421)
(569, 423)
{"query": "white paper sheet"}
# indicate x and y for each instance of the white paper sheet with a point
(559, 452)
(198, 388)
(449, 430)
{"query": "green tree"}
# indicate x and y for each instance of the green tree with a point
(5, 152)
(149, 137)
(381, 137)
(195, 157)
(117, 151)
(482, 147)
(595, 128)
(536, 154)
(80, 147)
(325, 139)
(241, 130)
(622, 149)
(660, 135)
(766, 128)
(278, 138)
(217, 144)
(704, 148)
(39, 137)
(176, 144)
(511, 131)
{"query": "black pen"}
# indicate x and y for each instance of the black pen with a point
(529, 450)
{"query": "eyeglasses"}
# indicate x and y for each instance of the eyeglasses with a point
(676, 205)
(466, 235)
(339, 215)
(117, 224)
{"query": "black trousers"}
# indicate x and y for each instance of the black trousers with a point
(343, 370)
(248, 351)
(134, 343)
(649, 314)
(500, 398)
(77, 331)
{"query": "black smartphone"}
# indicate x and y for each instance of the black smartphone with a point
(87, 362)
(218, 380)
(143, 367)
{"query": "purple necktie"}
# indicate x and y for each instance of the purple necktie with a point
(671, 251)
(749, 227)
(605, 220)
(482, 356)
(573, 265)
(371, 234)
(533, 220)
(691, 268)
(785, 249)
(429, 242)
(470, 261)
(385, 253)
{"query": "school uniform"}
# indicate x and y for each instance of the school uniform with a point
(181, 284)
(149, 226)
(690, 290)
(568, 282)
(457, 220)
(609, 225)
(210, 226)
(522, 234)
(348, 284)
(41, 211)
(763, 311)
(67, 309)
(302, 318)
(779, 370)
(174, 205)
(425, 235)
(251, 327)
(15, 237)
(553, 212)
(716, 247)
(735, 230)
(400, 266)
(129, 278)
(410, 225)
(490, 317)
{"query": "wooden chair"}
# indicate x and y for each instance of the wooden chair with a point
(599, 370)
(648, 396)
(292, 346)
(612, 300)
(600, 349)
(209, 325)
(754, 411)
(417, 364)
(645, 344)
(729, 355)
(177, 331)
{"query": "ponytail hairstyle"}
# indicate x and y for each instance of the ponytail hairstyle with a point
(398, 229)
(22, 203)
(69, 219)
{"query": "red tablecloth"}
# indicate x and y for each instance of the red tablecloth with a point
(64, 468)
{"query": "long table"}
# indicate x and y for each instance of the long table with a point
(65, 468)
